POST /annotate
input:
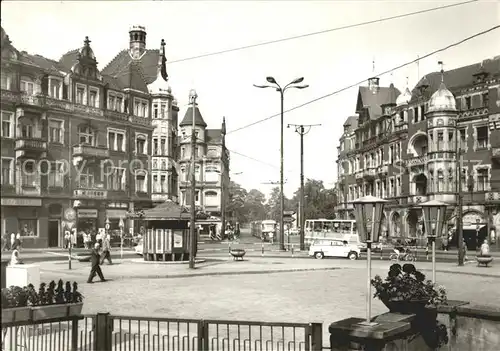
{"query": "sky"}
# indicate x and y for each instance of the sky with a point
(224, 82)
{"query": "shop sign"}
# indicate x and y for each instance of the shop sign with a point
(22, 202)
(116, 213)
(472, 219)
(177, 240)
(87, 213)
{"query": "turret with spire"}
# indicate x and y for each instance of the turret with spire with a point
(160, 86)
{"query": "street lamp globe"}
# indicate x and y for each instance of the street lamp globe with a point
(434, 217)
(368, 212)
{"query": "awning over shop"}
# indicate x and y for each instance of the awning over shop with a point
(473, 227)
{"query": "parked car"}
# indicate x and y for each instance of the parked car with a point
(376, 247)
(334, 248)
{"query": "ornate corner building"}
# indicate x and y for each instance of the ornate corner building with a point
(101, 142)
(404, 147)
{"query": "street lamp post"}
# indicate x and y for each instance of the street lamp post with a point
(275, 85)
(434, 217)
(369, 211)
(192, 226)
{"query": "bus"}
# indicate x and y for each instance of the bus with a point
(264, 230)
(340, 229)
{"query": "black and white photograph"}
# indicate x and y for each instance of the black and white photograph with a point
(238, 175)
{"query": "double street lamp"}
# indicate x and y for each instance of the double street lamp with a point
(434, 218)
(273, 84)
(369, 211)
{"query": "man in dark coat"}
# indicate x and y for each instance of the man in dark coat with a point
(95, 260)
(106, 248)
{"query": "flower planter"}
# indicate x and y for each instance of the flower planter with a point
(16, 314)
(238, 254)
(405, 307)
(57, 311)
(484, 260)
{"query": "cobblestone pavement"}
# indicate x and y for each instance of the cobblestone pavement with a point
(219, 289)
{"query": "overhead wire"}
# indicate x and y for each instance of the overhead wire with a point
(364, 80)
(300, 36)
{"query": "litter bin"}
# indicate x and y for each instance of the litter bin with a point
(5, 263)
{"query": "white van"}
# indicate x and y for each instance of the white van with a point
(334, 248)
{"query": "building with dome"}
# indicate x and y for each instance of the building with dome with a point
(404, 146)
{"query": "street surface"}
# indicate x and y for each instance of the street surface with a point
(259, 289)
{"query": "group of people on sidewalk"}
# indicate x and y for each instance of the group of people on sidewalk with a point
(97, 257)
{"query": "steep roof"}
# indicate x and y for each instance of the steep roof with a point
(374, 102)
(458, 77)
(351, 122)
(188, 117)
(42, 62)
(213, 136)
(148, 63)
(168, 210)
(69, 59)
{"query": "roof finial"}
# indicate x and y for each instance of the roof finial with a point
(442, 70)
(86, 41)
(373, 65)
(223, 130)
(162, 64)
(407, 80)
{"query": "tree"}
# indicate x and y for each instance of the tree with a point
(254, 205)
(319, 202)
(236, 205)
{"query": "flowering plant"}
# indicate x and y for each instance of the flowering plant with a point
(408, 284)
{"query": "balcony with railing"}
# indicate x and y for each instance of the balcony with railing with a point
(28, 184)
(359, 174)
(382, 170)
(369, 172)
(88, 151)
(31, 145)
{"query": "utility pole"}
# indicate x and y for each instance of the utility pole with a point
(192, 251)
(222, 179)
(460, 236)
(301, 130)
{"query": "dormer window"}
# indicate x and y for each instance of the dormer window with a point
(81, 94)
(93, 97)
(141, 107)
(115, 102)
(27, 86)
(55, 88)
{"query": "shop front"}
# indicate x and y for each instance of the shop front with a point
(113, 217)
(86, 223)
(26, 217)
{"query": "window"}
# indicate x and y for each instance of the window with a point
(86, 179)
(163, 164)
(111, 102)
(6, 80)
(430, 183)
(56, 131)
(27, 131)
(164, 147)
(27, 87)
(119, 104)
(463, 136)
(451, 144)
(116, 179)
(164, 184)
(86, 135)
(140, 107)
(415, 115)
(55, 177)
(468, 102)
(7, 171)
(7, 124)
(184, 175)
(116, 140)
(155, 111)
(56, 89)
(140, 145)
(140, 182)
(155, 146)
(485, 99)
(28, 227)
(482, 181)
(162, 111)
(183, 152)
(398, 186)
(155, 164)
(440, 141)
(197, 196)
(29, 174)
(80, 95)
(482, 137)
(391, 187)
(93, 101)
(440, 183)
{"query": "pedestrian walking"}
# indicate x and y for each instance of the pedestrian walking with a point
(5, 244)
(94, 261)
(106, 250)
(12, 240)
(18, 242)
